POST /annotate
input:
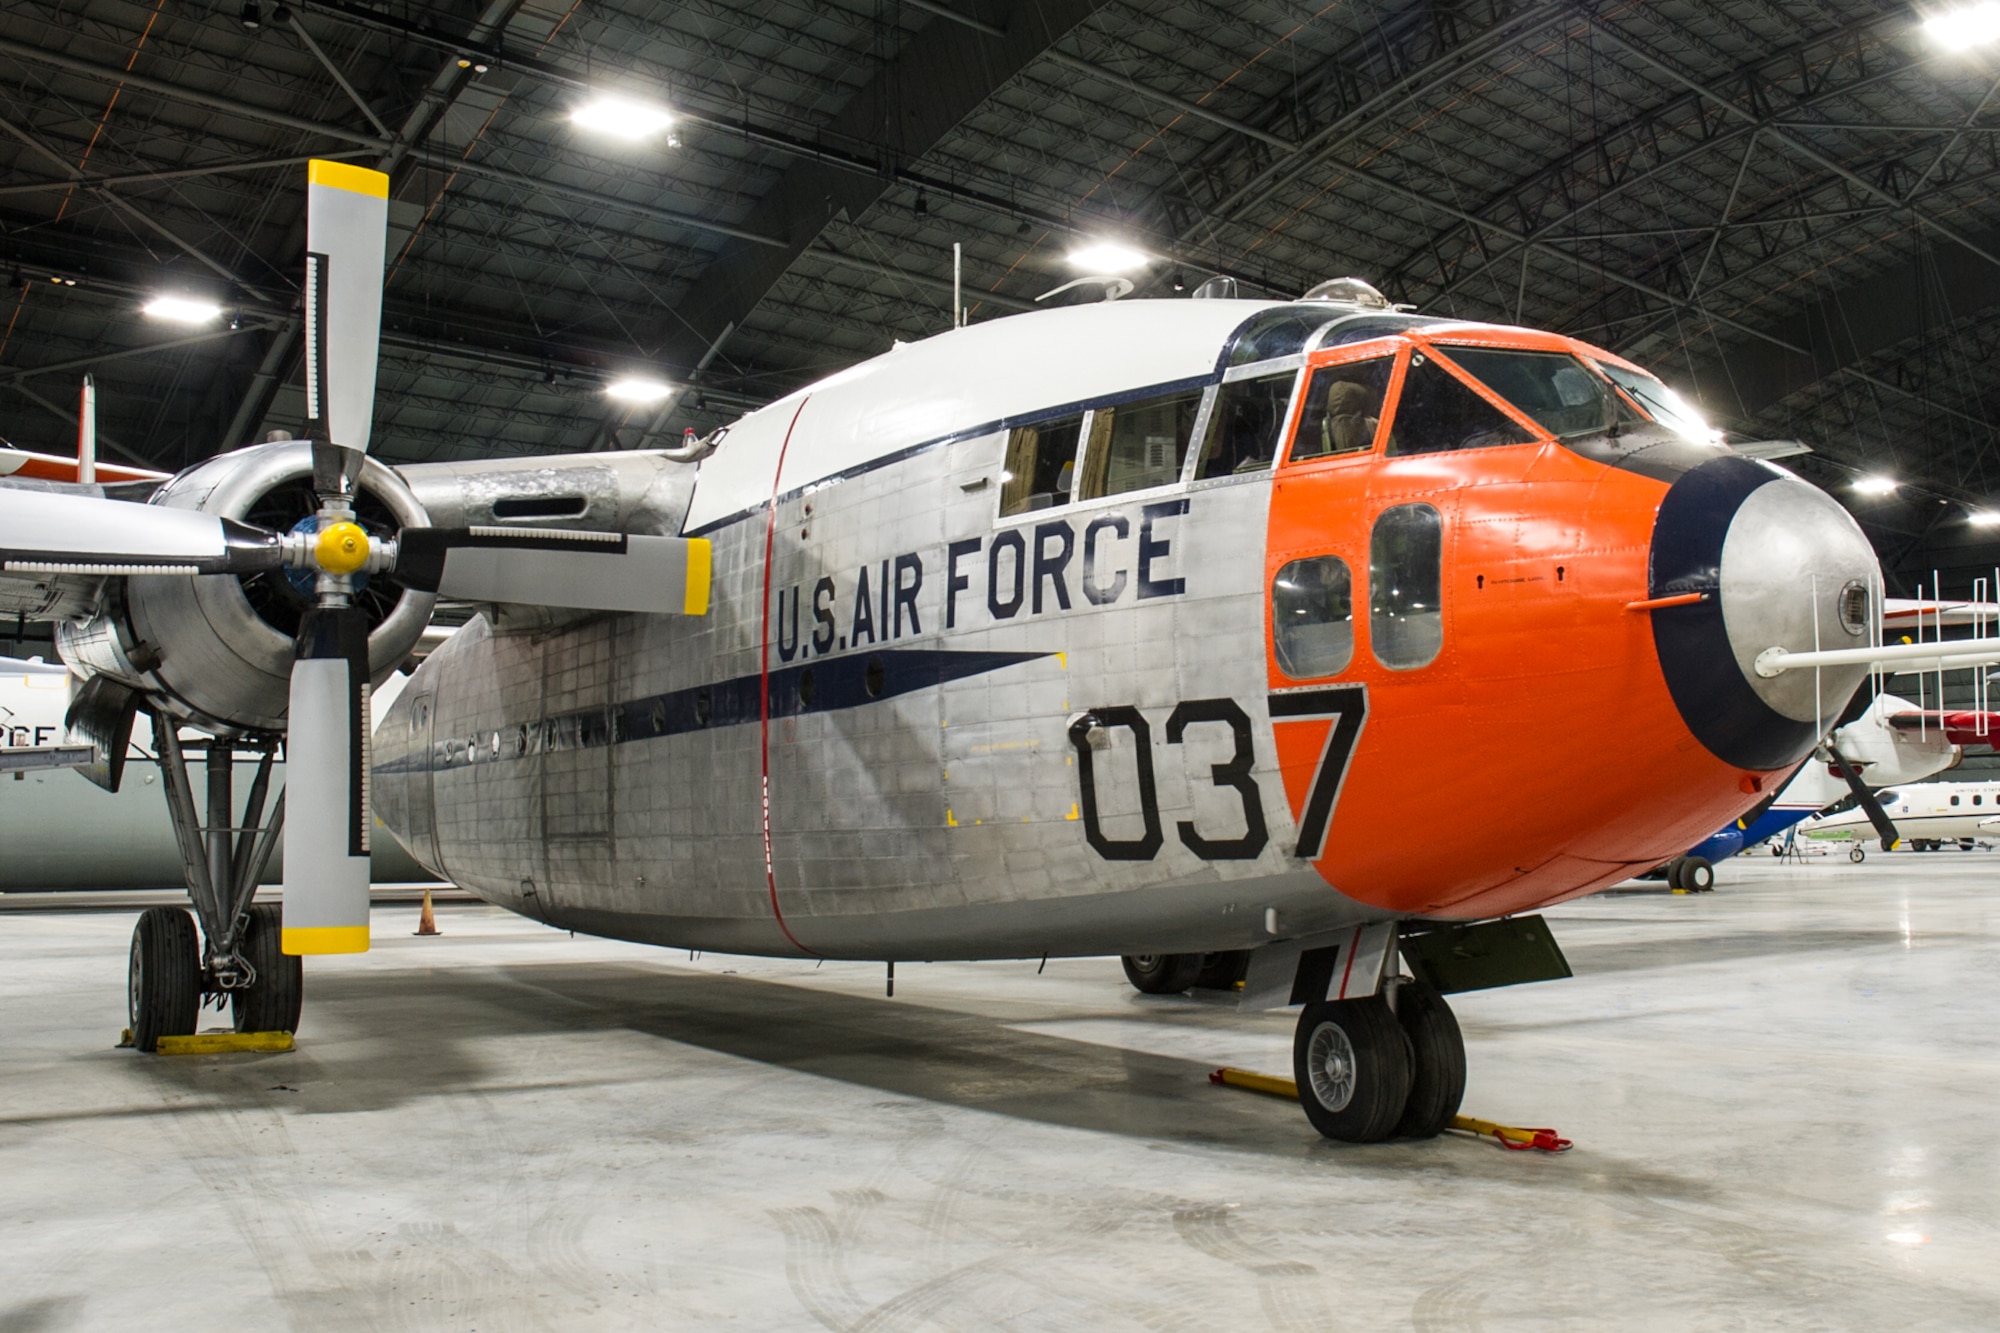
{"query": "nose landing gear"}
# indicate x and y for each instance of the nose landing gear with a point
(1367, 1072)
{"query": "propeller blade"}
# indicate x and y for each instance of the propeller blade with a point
(1884, 826)
(46, 532)
(595, 571)
(326, 780)
(347, 219)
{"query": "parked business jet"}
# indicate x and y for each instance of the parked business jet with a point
(1121, 628)
(1928, 814)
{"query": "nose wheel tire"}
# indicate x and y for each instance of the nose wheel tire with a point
(1695, 874)
(1162, 973)
(1857, 854)
(163, 985)
(1437, 1061)
(1352, 1062)
(272, 1003)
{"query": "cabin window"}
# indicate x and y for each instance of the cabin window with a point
(1137, 445)
(1954, 800)
(1041, 462)
(1437, 411)
(1405, 580)
(1312, 617)
(1975, 800)
(1552, 388)
(1343, 409)
(1245, 426)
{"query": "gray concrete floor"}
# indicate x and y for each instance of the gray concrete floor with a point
(1782, 1096)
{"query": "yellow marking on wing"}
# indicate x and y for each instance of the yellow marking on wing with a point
(347, 176)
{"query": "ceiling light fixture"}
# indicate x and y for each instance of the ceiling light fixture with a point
(1984, 518)
(1875, 485)
(1965, 27)
(639, 389)
(181, 310)
(621, 117)
(253, 16)
(1107, 257)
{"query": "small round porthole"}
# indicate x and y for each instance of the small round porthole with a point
(806, 688)
(1853, 607)
(872, 678)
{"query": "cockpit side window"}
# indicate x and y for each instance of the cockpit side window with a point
(1437, 411)
(1041, 461)
(1245, 425)
(1136, 445)
(1553, 389)
(1661, 403)
(1343, 408)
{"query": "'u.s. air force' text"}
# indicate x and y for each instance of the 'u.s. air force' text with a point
(1033, 570)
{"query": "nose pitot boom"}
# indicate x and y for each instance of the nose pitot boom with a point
(1781, 565)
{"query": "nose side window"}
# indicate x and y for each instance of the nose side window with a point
(1312, 617)
(1343, 408)
(1437, 412)
(1245, 425)
(1041, 462)
(1137, 445)
(1405, 580)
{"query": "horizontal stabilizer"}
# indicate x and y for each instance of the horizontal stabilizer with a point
(592, 571)
(1960, 726)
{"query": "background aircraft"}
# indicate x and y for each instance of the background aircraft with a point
(63, 831)
(1126, 627)
(1928, 814)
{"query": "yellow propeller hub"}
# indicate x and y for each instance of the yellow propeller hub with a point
(342, 548)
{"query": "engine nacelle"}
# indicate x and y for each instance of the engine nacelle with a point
(217, 650)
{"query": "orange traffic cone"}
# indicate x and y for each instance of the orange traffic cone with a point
(427, 924)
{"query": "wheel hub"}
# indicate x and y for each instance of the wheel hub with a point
(1330, 1061)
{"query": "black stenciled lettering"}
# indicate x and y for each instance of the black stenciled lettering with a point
(906, 593)
(1009, 540)
(822, 640)
(1235, 773)
(788, 646)
(1147, 844)
(864, 611)
(1151, 549)
(1050, 567)
(955, 582)
(1347, 707)
(1099, 595)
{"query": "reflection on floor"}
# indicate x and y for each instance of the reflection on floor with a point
(1781, 1095)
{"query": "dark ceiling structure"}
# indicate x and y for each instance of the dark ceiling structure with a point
(1786, 208)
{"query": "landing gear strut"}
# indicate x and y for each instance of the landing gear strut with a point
(1390, 1065)
(172, 976)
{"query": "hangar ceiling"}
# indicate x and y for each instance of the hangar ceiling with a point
(1786, 207)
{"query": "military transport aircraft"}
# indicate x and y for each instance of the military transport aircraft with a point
(1133, 627)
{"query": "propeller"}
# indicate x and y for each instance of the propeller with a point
(1866, 800)
(326, 750)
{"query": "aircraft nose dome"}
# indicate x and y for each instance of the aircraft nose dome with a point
(1783, 566)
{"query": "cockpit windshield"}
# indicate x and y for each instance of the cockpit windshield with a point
(1661, 403)
(1554, 389)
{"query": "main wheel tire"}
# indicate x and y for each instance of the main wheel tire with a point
(1697, 875)
(1857, 853)
(1437, 1064)
(1965, 844)
(1352, 1064)
(163, 983)
(1672, 871)
(1220, 971)
(1162, 973)
(272, 1004)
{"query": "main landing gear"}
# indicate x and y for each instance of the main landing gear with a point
(172, 976)
(1388, 1066)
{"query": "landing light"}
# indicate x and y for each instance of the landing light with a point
(1107, 257)
(181, 310)
(638, 390)
(1965, 27)
(622, 118)
(1875, 485)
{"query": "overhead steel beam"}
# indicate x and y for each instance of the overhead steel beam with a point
(182, 173)
(941, 75)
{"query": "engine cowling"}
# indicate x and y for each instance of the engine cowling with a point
(217, 650)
